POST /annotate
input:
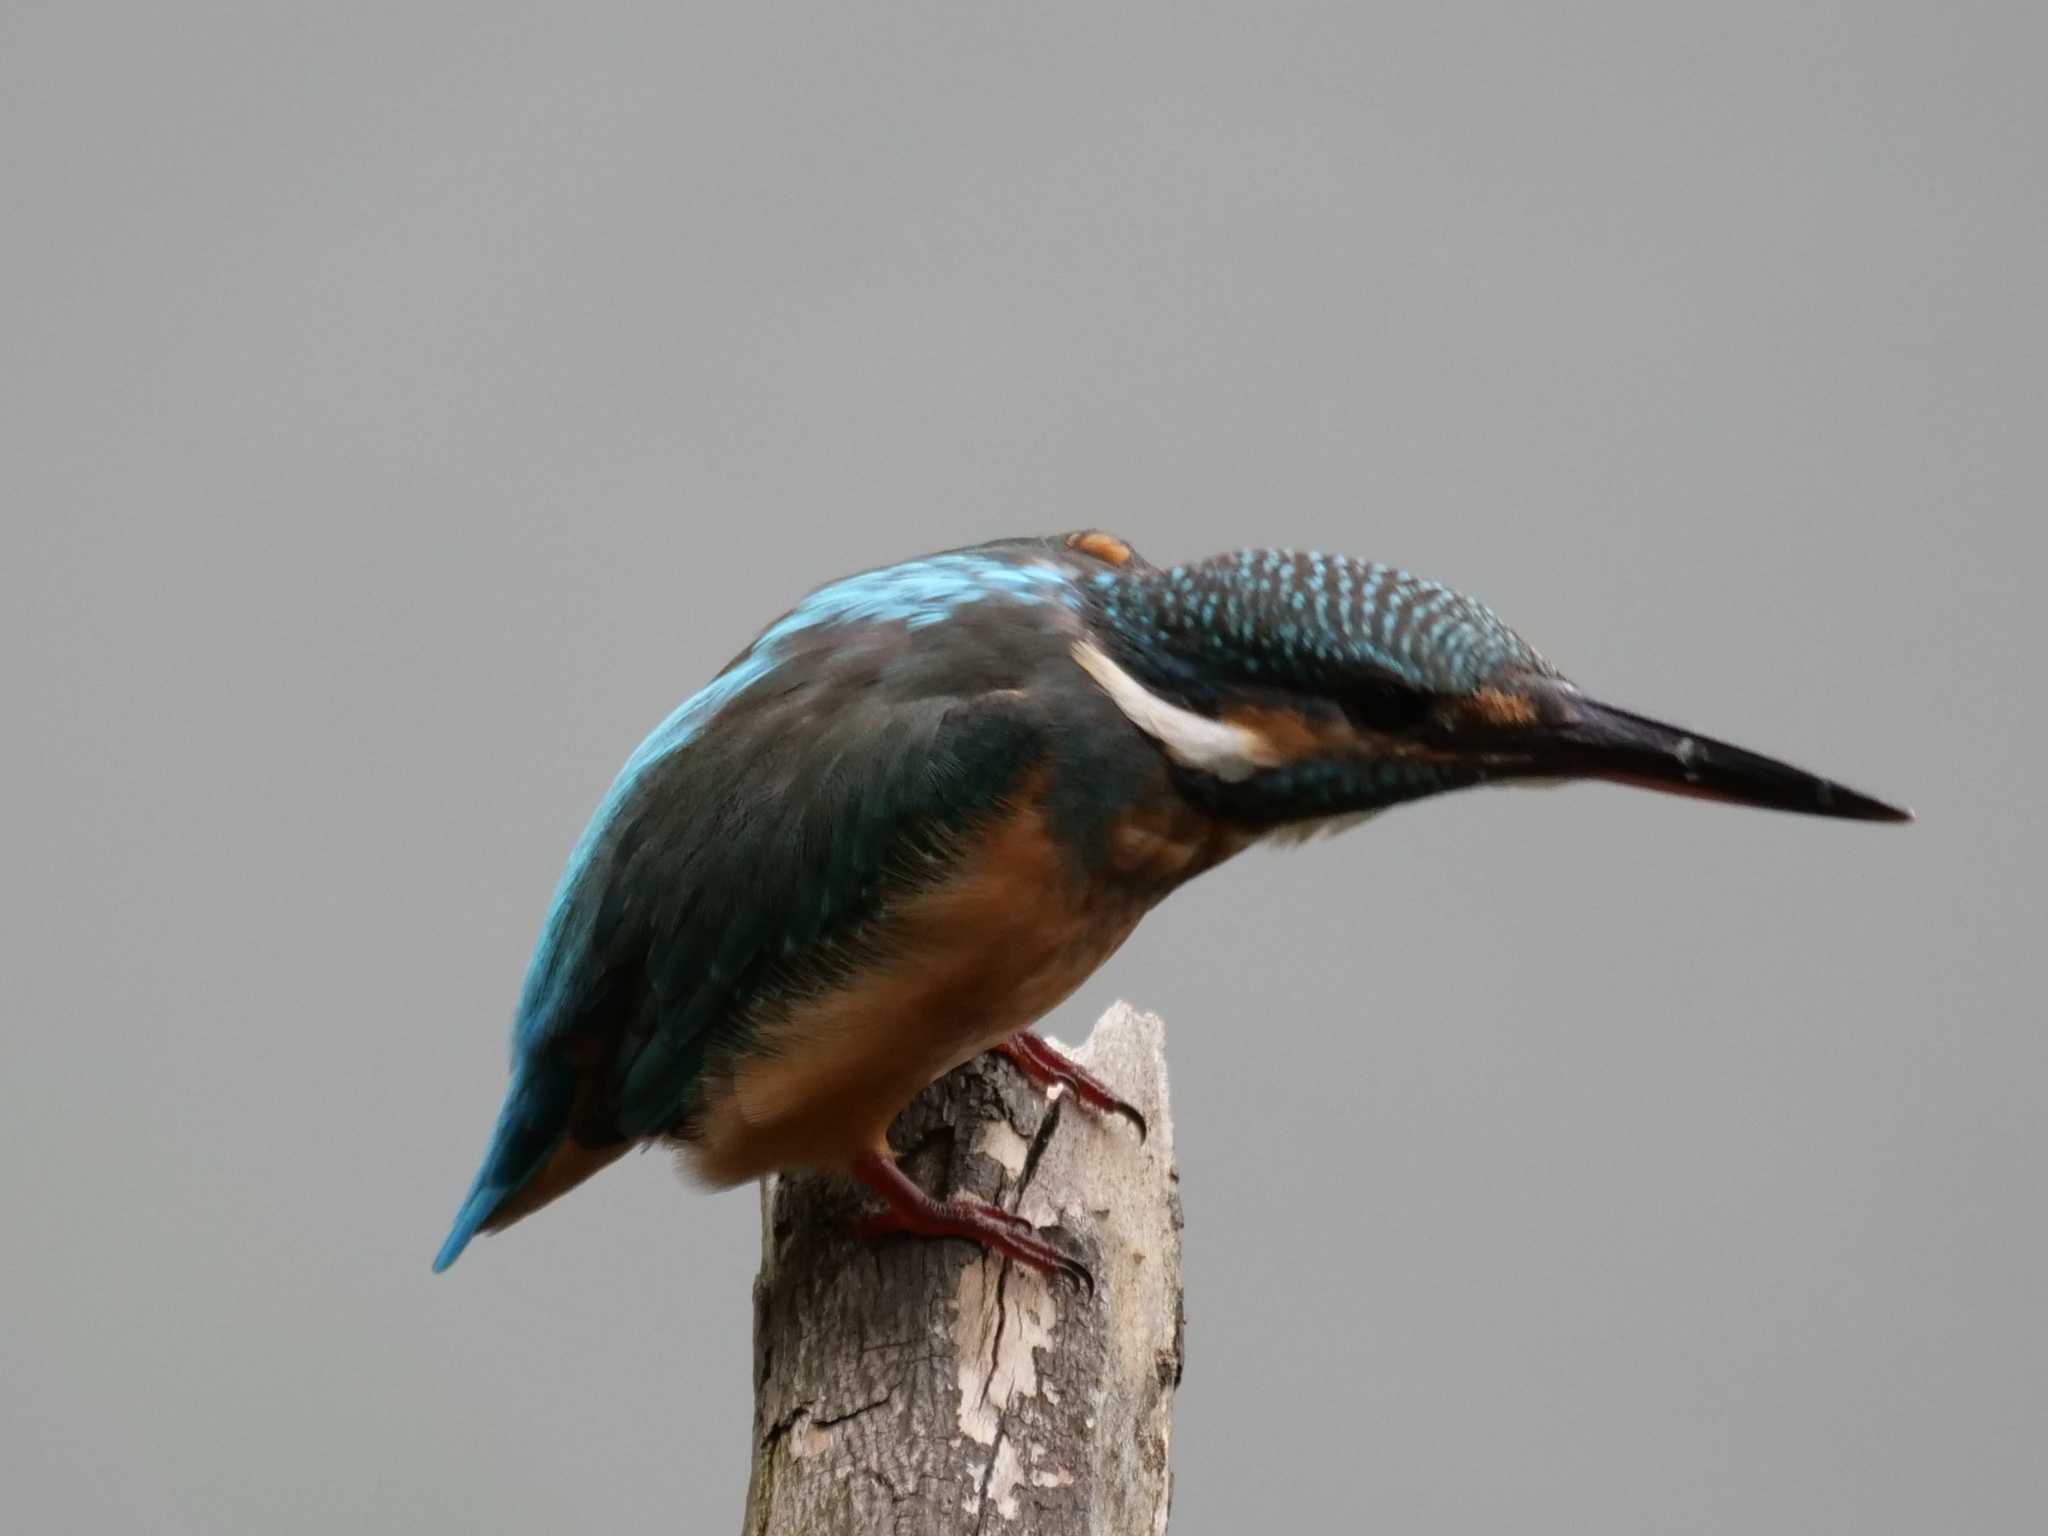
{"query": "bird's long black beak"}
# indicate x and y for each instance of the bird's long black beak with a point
(1585, 739)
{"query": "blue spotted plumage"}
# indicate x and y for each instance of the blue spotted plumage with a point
(1278, 615)
(924, 804)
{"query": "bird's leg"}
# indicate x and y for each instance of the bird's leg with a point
(910, 1209)
(1048, 1068)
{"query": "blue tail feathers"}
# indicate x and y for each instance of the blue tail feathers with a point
(535, 1115)
(476, 1210)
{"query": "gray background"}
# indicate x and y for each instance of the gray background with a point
(403, 410)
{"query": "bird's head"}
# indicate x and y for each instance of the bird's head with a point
(1292, 687)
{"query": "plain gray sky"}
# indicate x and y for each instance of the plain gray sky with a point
(402, 407)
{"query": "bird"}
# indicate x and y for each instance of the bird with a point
(933, 798)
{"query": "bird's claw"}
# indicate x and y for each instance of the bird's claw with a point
(1049, 1069)
(990, 1226)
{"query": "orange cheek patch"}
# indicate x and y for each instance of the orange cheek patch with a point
(1289, 736)
(1497, 707)
(1292, 738)
(1106, 547)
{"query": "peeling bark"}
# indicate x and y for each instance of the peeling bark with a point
(919, 1387)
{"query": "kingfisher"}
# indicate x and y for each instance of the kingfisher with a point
(928, 802)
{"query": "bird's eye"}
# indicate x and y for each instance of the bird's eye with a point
(1387, 708)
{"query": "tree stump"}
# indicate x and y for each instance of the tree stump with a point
(913, 1386)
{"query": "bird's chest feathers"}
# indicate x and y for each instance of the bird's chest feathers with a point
(948, 972)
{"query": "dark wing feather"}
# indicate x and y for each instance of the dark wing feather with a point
(745, 861)
(784, 864)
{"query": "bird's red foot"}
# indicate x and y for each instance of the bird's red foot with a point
(910, 1209)
(887, 1222)
(1048, 1068)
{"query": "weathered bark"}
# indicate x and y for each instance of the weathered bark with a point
(917, 1387)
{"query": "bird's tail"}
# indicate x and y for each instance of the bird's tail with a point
(530, 1126)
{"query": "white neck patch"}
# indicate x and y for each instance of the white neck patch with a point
(1230, 752)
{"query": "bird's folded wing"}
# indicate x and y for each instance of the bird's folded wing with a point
(753, 859)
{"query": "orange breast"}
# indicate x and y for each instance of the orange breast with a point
(965, 965)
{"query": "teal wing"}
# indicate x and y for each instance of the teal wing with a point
(746, 859)
(774, 890)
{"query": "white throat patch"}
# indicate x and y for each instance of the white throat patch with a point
(1230, 752)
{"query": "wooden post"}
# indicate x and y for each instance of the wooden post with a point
(918, 1387)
